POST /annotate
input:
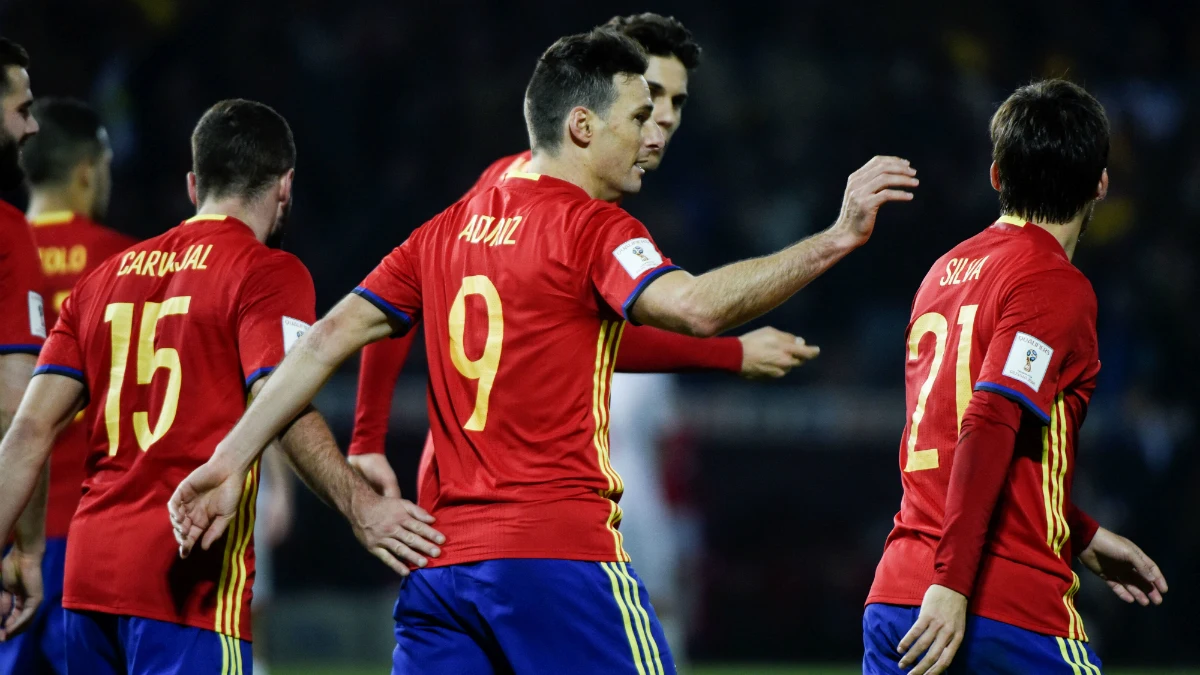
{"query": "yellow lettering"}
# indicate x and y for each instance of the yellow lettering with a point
(962, 267)
(124, 264)
(77, 258)
(151, 261)
(166, 265)
(514, 223)
(469, 229)
(207, 250)
(490, 239)
(59, 298)
(976, 269)
(136, 266)
(949, 272)
(191, 258)
(485, 223)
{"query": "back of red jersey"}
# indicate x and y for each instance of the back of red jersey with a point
(496, 172)
(523, 288)
(1004, 311)
(70, 245)
(168, 337)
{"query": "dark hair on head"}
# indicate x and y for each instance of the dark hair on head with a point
(1050, 144)
(660, 36)
(70, 132)
(11, 54)
(577, 70)
(239, 147)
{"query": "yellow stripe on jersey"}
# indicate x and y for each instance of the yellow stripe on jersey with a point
(1051, 523)
(607, 344)
(1065, 532)
(1075, 629)
(206, 216)
(232, 585)
(625, 616)
(1011, 220)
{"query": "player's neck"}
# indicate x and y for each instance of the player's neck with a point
(49, 201)
(574, 171)
(256, 216)
(1066, 233)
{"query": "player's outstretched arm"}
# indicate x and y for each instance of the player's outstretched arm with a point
(350, 325)
(1129, 572)
(729, 296)
(48, 405)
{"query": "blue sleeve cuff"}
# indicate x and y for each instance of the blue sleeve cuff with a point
(1014, 395)
(73, 373)
(637, 291)
(257, 375)
(20, 349)
(392, 313)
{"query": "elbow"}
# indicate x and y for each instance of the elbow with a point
(697, 320)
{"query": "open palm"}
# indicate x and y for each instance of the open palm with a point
(203, 505)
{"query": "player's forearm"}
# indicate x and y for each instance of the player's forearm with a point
(30, 532)
(380, 367)
(645, 349)
(23, 455)
(16, 370)
(313, 453)
(734, 294)
(981, 461)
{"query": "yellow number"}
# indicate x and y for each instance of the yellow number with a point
(921, 460)
(120, 315)
(484, 368)
(149, 360)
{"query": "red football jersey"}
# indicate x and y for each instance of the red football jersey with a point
(523, 289)
(168, 337)
(21, 302)
(70, 246)
(1007, 312)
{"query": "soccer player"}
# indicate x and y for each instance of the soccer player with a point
(21, 334)
(672, 54)
(1002, 361)
(67, 165)
(524, 289)
(167, 339)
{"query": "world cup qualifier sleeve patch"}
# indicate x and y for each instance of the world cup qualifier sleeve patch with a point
(637, 256)
(293, 330)
(37, 315)
(1028, 360)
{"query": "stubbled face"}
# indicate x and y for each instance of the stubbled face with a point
(626, 137)
(16, 127)
(668, 82)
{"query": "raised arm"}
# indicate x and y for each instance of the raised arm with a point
(729, 296)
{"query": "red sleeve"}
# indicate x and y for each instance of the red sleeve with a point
(1047, 326)
(23, 329)
(394, 286)
(1083, 529)
(276, 305)
(379, 368)
(981, 461)
(624, 259)
(61, 354)
(645, 349)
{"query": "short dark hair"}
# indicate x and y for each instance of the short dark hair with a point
(239, 147)
(70, 132)
(11, 54)
(660, 36)
(1050, 144)
(577, 70)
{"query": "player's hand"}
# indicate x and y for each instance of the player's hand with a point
(395, 530)
(771, 353)
(879, 181)
(203, 505)
(1131, 574)
(377, 471)
(937, 633)
(22, 591)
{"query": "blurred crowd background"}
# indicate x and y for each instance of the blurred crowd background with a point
(789, 487)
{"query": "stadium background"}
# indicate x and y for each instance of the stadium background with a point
(397, 107)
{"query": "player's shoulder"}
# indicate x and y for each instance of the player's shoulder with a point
(505, 164)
